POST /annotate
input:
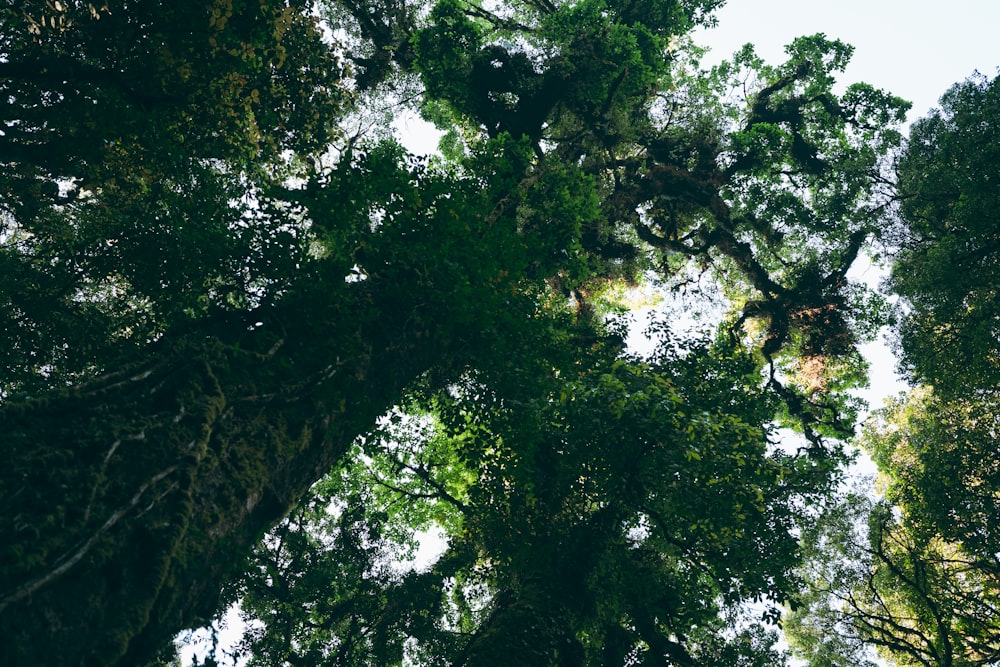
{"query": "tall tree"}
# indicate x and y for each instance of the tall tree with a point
(913, 574)
(918, 571)
(192, 346)
(947, 267)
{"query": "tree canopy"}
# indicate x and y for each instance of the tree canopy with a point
(915, 572)
(610, 511)
(255, 348)
(946, 269)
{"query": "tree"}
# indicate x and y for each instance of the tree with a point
(921, 583)
(135, 134)
(913, 574)
(947, 265)
(599, 513)
(194, 346)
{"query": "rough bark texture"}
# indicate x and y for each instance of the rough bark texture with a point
(533, 629)
(131, 499)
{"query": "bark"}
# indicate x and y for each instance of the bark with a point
(130, 500)
(533, 628)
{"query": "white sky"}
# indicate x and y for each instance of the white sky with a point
(914, 48)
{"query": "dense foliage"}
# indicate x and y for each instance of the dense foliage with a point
(947, 267)
(605, 511)
(915, 572)
(134, 137)
(254, 349)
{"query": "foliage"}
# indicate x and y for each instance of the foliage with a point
(878, 581)
(615, 503)
(820, 625)
(947, 265)
(760, 172)
(937, 457)
(208, 300)
(915, 573)
(135, 137)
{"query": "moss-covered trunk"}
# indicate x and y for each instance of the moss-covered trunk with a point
(533, 629)
(128, 501)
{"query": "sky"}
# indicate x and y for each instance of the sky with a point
(913, 48)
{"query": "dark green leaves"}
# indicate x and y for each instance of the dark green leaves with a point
(947, 268)
(597, 508)
(605, 508)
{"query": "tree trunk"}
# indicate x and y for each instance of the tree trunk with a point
(533, 628)
(130, 500)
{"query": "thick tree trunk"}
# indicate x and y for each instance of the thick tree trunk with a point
(130, 500)
(533, 628)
